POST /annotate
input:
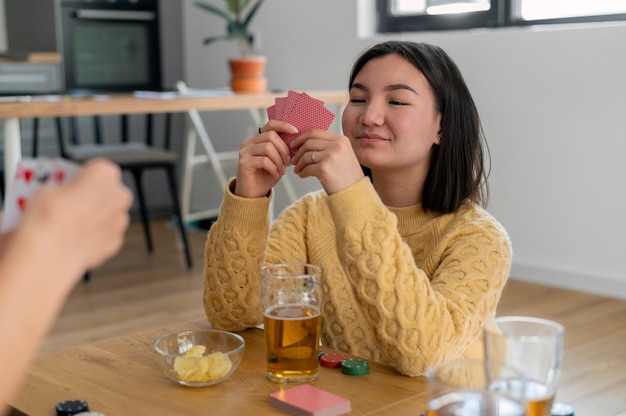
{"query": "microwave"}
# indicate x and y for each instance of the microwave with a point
(110, 45)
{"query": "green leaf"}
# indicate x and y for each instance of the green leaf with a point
(212, 9)
(208, 41)
(237, 26)
(252, 13)
(236, 7)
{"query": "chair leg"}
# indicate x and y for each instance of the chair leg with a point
(179, 218)
(142, 208)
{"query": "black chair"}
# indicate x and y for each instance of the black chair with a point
(132, 156)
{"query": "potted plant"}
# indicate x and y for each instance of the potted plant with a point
(247, 72)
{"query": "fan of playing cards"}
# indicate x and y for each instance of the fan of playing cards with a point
(30, 174)
(301, 110)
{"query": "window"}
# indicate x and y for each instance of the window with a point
(417, 15)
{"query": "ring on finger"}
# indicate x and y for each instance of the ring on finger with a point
(260, 130)
(313, 156)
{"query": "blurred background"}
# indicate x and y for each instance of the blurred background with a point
(551, 97)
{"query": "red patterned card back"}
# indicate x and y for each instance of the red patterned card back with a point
(306, 114)
(308, 400)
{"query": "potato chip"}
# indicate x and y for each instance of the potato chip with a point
(195, 351)
(217, 366)
(194, 367)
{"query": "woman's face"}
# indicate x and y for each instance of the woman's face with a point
(391, 119)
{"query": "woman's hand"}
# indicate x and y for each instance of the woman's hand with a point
(263, 160)
(329, 157)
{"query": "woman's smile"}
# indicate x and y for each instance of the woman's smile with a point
(371, 138)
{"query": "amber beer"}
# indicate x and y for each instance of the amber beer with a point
(291, 297)
(536, 396)
(539, 407)
(292, 342)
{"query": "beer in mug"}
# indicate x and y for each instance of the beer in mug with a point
(291, 296)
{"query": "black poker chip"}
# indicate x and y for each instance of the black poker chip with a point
(562, 409)
(71, 407)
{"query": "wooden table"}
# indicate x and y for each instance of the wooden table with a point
(63, 106)
(121, 377)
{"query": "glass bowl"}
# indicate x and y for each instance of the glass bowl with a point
(199, 358)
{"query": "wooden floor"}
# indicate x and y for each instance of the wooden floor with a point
(137, 291)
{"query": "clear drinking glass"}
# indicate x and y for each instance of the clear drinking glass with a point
(462, 388)
(291, 296)
(533, 347)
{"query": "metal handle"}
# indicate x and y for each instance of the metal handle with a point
(115, 15)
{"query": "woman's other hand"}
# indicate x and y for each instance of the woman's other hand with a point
(329, 157)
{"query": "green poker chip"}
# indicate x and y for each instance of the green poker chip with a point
(355, 367)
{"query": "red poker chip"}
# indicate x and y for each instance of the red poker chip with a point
(332, 360)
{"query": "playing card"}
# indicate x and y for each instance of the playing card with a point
(280, 104)
(30, 175)
(63, 171)
(302, 111)
(292, 98)
(307, 114)
(271, 112)
(308, 400)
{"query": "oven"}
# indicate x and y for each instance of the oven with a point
(110, 45)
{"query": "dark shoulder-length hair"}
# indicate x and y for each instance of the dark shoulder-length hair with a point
(457, 170)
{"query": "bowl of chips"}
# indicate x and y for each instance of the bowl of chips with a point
(199, 358)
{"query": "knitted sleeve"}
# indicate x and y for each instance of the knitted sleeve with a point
(234, 251)
(419, 321)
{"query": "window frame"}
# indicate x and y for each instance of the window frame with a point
(500, 15)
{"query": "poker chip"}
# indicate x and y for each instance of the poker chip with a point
(319, 354)
(355, 367)
(71, 407)
(332, 360)
(562, 409)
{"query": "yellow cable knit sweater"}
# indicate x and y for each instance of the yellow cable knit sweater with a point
(402, 287)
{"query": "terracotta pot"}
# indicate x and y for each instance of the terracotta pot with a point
(248, 74)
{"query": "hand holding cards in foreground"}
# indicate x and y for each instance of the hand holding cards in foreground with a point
(302, 111)
(80, 213)
(30, 175)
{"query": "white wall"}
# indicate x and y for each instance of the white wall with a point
(552, 102)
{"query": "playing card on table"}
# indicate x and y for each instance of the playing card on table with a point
(31, 174)
(308, 400)
(301, 110)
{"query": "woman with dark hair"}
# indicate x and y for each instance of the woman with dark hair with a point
(413, 265)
